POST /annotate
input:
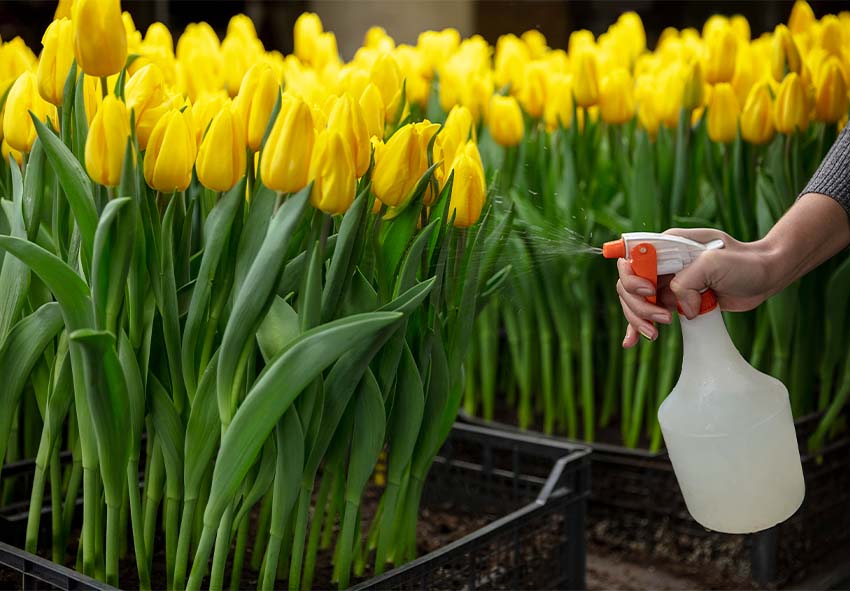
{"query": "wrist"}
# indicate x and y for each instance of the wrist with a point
(771, 254)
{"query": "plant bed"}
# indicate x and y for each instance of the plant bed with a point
(636, 508)
(506, 509)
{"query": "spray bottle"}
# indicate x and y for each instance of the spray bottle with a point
(727, 427)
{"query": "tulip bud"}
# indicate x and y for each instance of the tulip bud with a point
(830, 35)
(92, 95)
(158, 35)
(308, 28)
(238, 54)
(332, 173)
(744, 77)
(802, 17)
(694, 89)
(396, 166)
(205, 108)
(285, 163)
(255, 102)
(785, 57)
(147, 98)
(7, 151)
(741, 26)
(171, 152)
(559, 106)
(532, 93)
(723, 111)
(585, 80)
(437, 46)
(346, 117)
(63, 9)
(505, 120)
(616, 97)
(377, 38)
(791, 111)
(469, 189)
(100, 41)
(722, 45)
(511, 57)
(757, 116)
(221, 160)
(55, 61)
(241, 25)
(372, 106)
(106, 143)
(386, 76)
(579, 41)
(23, 97)
(830, 93)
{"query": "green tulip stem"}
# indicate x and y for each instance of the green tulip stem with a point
(56, 506)
(319, 515)
(239, 554)
(184, 539)
(137, 525)
(113, 543)
(90, 478)
(222, 549)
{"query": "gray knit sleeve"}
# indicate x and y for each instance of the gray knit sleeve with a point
(832, 178)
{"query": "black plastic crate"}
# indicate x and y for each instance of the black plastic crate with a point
(637, 507)
(541, 486)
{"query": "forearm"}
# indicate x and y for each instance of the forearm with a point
(812, 231)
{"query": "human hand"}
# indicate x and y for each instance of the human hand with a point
(738, 274)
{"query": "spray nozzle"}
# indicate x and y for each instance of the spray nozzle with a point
(651, 254)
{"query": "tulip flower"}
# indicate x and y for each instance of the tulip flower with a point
(469, 189)
(386, 76)
(559, 106)
(377, 38)
(205, 108)
(222, 159)
(802, 17)
(346, 117)
(63, 9)
(722, 45)
(512, 55)
(616, 97)
(723, 112)
(532, 93)
(106, 143)
(397, 164)
(757, 116)
(505, 120)
(830, 93)
(7, 151)
(693, 92)
(437, 46)
(374, 113)
(158, 35)
(55, 61)
(585, 79)
(741, 26)
(830, 35)
(92, 95)
(170, 154)
(255, 102)
(23, 97)
(100, 42)
(332, 172)
(308, 28)
(285, 163)
(458, 128)
(580, 40)
(791, 111)
(785, 57)
(146, 96)
(536, 43)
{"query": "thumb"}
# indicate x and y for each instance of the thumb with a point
(688, 283)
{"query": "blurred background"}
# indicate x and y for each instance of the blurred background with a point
(405, 19)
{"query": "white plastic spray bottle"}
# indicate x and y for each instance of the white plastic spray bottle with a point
(727, 427)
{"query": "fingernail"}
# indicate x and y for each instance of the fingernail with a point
(645, 291)
(663, 318)
(646, 334)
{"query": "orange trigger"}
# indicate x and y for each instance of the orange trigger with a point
(644, 263)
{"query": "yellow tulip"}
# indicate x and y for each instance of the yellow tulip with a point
(238, 54)
(171, 152)
(416, 74)
(511, 57)
(106, 143)
(831, 93)
(585, 80)
(744, 77)
(256, 99)
(374, 114)
(469, 189)
(532, 93)
(830, 35)
(23, 97)
(346, 117)
(92, 95)
(693, 92)
(146, 96)
(791, 111)
(723, 112)
(437, 46)
(741, 26)
(536, 43)
(757, 116)
(221, 160)
(397, 165)
(55, 61)
(634, 32)
(802, 17)
(457, 130)
(158, 35)
(63, 9)
(241, 25)
(100, 42)
(7, 151)
(285, 163)
(559, 106)
(722, 45)
(386, 76)
(616, 97)
(199, 60)
(785, 57)
(580, 40)
(377, 38)
(308, 28)
(205, 108)
(505, 120)
(332, 173)
(134, 37)
(713, 24)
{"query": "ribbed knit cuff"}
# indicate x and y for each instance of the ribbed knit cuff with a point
(832, 178)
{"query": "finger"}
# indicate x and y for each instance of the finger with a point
(641, 308)
(637, 285)
(631, 338)
(641, 325)
(688, 284)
